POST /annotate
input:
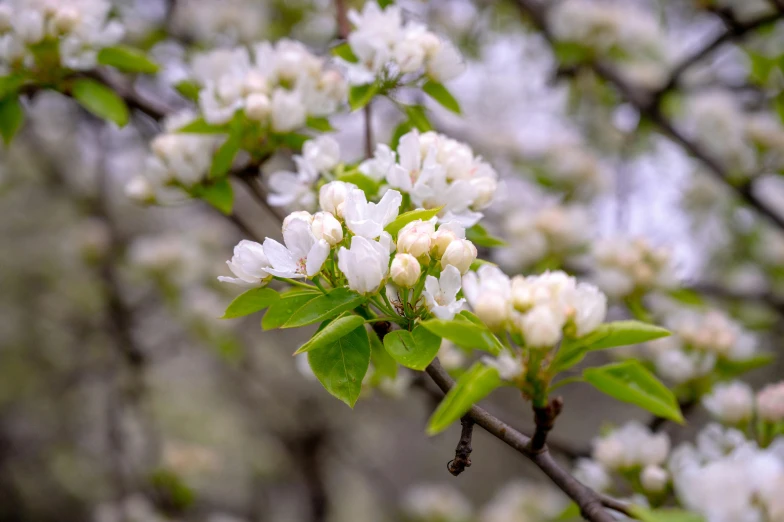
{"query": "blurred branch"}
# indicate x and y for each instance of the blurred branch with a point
(648, 103)
(590, 503)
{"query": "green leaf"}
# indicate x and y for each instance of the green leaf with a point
(341, 365)
(188, 89)
(479, 237)
(731, 369)
(331, 332)
(442, 95)
(250, 302)
(344, 51)
(100, 100)
(664, 515)
(292, 140)
(686, 296)
(760, 67)
(199, 126)
(368, 185)
(10, 84)
(464, 332)
(324, 307)
(407, 217)
(471, 387)
(630, 382)
(360, 95)
(384, 365)
(11, 118)
(224, 157)
(127, 59)
(418, 117)
(415, 349)
(280, 311)
(319, 124)
(571, 53)
(218, 194)
(403, 128)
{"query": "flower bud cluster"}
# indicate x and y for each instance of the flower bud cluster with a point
(541, 309)
(75, 31)
(386, 47)
(625, 267)
(731, 403)
(770, 403)
(176, 159)
(436, 171)
(276, 85)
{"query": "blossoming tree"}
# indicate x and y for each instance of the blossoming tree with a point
(413, 255)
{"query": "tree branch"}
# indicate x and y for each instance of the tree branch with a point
(590, 503)
(463, 450)
(544, 418)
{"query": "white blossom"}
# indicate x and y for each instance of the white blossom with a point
(249, 264)
(630, 446)
(303, 255)
(405, 270)
(732, 403)
(429, 502)
(365, 264)
(541, 326)
(441, 294)
(460, 253)
(509, 367)
(321, 153)
(332, 197)
(654, 478)
(522, 501)
(770, 402)
(592, 474)
(325, 226)
(414, 238)
(369, 219)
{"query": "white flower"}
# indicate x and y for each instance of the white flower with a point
(450, 356)
(332, 197)
(460, 253)
(258, 107)
(299, 215)
(436, 502)
(541, 326)
(654, 478)
(731, 403)
(369, 219)
(326, 227)
(414, 238)
(592, 474)
(140, 189)
(509, 367)
(770, 402)
(291, 189)
(303, 255)
(365, 264)
(322, 153)
(405, 270)
(288, 111)
(440, 293)
(589, 306)
(444, 236)
(631, 445)
(379, 165)
(249, 264)
(487, 279)
(446, 64)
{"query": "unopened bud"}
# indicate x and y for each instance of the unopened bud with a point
(460, 254)
(442, 238)
(332, 196)
(414, 238)
(301, 215)
(66, 19)
(326, 227)
(541, 327)
(654, 478)
(140, 189)
(484, 188)
(491, 309)
(405, 270)
(257, 107)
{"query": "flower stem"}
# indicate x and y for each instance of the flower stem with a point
(294, 282)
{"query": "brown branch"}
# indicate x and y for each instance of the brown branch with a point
(544, 418)
(616, 505)
(463, 450)
(590, 503)
(368, 112)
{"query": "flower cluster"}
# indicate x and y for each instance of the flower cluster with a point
(219, 21)
(519, 501)
(572, 168)
(631, 267)
(37, 34)
(616, 30)
(700, 342)
(384, 47)
(727, 477)
(435, 503)
(278, 85)
(346, 243)
(735, 404)
(541, 229)
(540, 309)
(176, 160)
(436, 171)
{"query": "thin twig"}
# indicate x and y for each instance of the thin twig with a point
(589, 501)
(368, 112)
(463, 450)
(544, 418)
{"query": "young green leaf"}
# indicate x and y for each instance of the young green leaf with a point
(479, 236)
(341, 365)
(319, 124)
(368, 185)
(344, 51)
(324, 307)
(403, 128)
(664, 515)
(11, 118)
(331, 332)
(442, 95)
(418, 117)
(100, 100)
(464, 332)
(360, 95)
(224, 157)
(630, 382)
(728, 369)
(218, 194)
(384, 366)
(280, 311)
(199, 126)
(127, 59)
(471, 387)
(10, 84)
(415, 349)
(188, 89)
(412, 215)
(250, 302)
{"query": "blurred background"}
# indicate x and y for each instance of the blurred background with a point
(123, 397)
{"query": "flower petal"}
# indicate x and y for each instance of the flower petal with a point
(316, 256)
(279, 257)
(450, 282)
